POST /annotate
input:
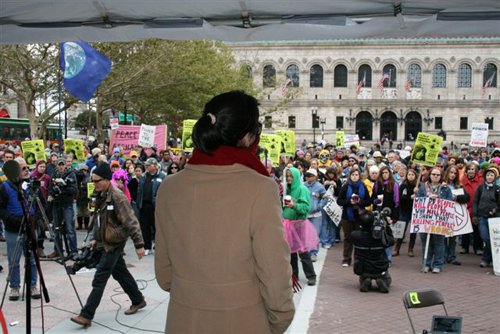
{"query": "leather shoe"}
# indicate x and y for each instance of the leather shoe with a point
(82, 321)
(134, 308)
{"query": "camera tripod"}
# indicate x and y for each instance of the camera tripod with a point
(28, 236)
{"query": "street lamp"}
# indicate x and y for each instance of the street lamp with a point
(314, 113)
(125, 110)
(322, 120)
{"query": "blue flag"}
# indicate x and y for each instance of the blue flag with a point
(84, 69)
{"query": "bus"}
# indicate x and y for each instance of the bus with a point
(16, 130)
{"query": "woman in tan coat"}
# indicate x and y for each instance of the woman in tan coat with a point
(220, 249)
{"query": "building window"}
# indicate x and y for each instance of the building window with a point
(389, 76)
(268, 122)
(414, 76)
(463, 123)
(269, 76)
(365, 75)
(292, 73)
(489, 121)
(316, 76)
(439, 76)
(490, 75)
(340, 76)
(340, 122)
(464, 76)
(438, 122)
(291, 122)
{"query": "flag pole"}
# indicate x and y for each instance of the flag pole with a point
(59, 98)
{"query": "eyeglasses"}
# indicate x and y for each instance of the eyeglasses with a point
(25, 168)
(97, 181)
(434, 174)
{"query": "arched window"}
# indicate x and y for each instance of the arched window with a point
(413, 125)
(414, 76)
(269, 76)
(316, 76)
(389, 125)
(292, 73)
(364, 125)
(439, 76)
(464, 75)
(340, 76)
(389, 76)
(490, 75)
(365, 75)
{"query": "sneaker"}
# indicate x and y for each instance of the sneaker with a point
(314, 258)
(483, 264)
(14, 294)
(311, 281)
(436, 270)
(410, 253)
(382, 286)
(345, 264)
(365, 285)
(327, 246)
(35, 293)
(426, 269)
(147, 252)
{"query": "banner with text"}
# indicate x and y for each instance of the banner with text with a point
(287, 141)
(33, 150)
(479, 135)
(272, 144)
(76, 148)
(427, 148)
(439, 216)
(187, 130)
(127, 137)
(350, 140)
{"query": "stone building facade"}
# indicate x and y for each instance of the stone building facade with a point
(379, 88)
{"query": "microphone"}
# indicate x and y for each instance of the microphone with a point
(12, 171)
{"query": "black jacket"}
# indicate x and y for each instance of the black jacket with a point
(369, 253)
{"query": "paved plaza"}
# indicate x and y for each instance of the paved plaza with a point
(335, 305)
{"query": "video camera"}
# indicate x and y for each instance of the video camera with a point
(58, 187)
(88, 258)
(380, 223)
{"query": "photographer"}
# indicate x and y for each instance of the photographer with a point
(62, 190)
(115, 222)
(370, 256)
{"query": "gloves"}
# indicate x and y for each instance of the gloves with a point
(475, 220)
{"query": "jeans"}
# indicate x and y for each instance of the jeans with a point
(63, 214)
(436, 250)
(111, 264)
(14, 258)
(328, 231)
(147, 222)
(316, 221)
(307, 265)
(484, 232)
(388, 252)
(450, 245)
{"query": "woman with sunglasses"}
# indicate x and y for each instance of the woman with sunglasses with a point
(173, 168)
(434, 188)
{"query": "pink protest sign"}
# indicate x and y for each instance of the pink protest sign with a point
(127, 136)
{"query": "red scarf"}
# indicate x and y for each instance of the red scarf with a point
(228, 155)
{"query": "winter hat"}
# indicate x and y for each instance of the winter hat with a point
(492, 170)
(103, 171)
(96, 151)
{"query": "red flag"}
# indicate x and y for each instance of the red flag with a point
(488, 83)
(284, 88)
(381, 81)
(362, 83)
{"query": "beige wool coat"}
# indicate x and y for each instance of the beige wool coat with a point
(221, 253)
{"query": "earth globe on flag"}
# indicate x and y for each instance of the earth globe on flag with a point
(74, 58)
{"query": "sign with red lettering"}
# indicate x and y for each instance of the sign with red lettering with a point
(439, 216)
(127, 137)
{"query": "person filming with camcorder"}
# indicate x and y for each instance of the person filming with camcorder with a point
(62, 190)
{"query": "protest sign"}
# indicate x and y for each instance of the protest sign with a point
(287, 141)
(90, 192)
(147, 135)
(127, 137)
(333, 210)
(272, 143)
(439, 216)
(339, 138)
(350, 140)
(426, 150)
(76, 148)
(479, 135)
(187, 130)
(494, 226)
(33, 150)
(403, 154)
(398, 229)
(114, 123)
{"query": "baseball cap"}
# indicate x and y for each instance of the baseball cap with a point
(151, 161)
(312, 171)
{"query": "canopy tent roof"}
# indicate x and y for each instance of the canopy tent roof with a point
(35, 21)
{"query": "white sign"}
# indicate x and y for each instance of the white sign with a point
(333, 210)
(398, 229)
(350, 140)
(147, 135)
(494, 225)
(114, 123)
(479, 135)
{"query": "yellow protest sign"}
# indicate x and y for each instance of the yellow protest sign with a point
(288, 141)
(76, 148)
(33, 150)
(427, 148)
(272, 144)
(339, 138)
(90, 192)
(187, 130)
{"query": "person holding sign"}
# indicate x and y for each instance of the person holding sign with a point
(486, 205)
(460, 196)
(434, 188)
(406, 197)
